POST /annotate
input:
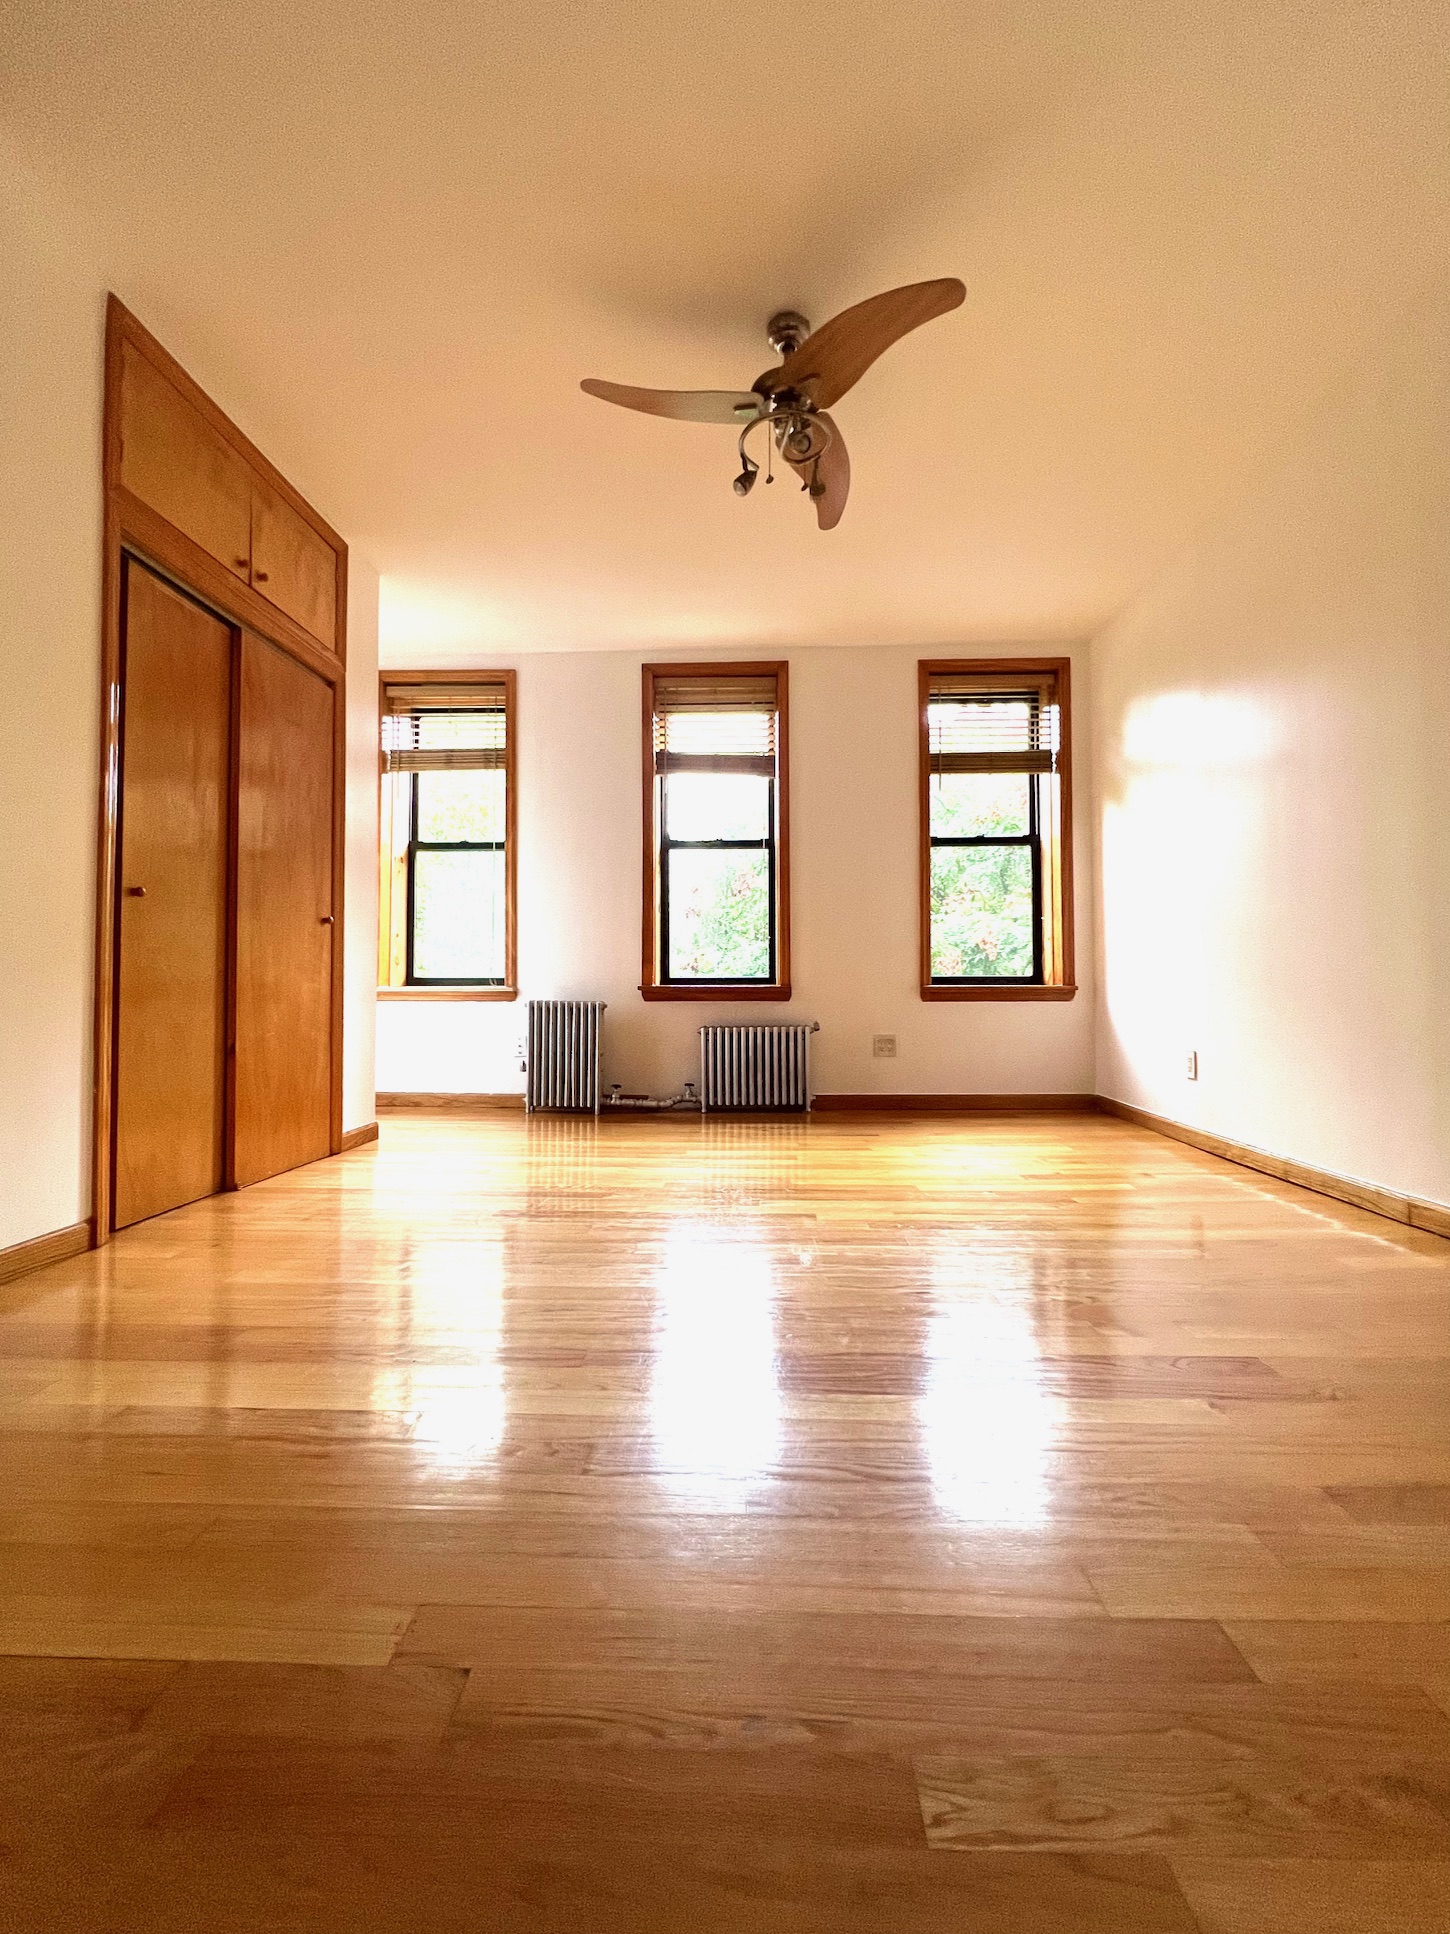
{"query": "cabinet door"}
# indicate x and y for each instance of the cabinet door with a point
(173, 460)
(292, 566)
(285, 936)
(171, 947)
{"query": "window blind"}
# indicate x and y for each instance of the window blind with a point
(444, 728)
(976, 724)
(715, 724)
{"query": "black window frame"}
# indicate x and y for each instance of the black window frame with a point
(1032, 839)
(669, 845)
(416, 846)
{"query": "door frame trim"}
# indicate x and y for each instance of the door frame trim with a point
(131, 526)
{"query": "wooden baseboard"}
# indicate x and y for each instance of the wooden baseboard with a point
(358, 1137)
(22, 1257)
(879, 1104)
(1431, 1216)
(398, 1104)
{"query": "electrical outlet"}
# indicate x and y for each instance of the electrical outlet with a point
(883, 1046)
(1191, 1070)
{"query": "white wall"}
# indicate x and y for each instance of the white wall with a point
(52, 332)
(1273, 766)
(52, 328)
(360, 888)
(854, 886)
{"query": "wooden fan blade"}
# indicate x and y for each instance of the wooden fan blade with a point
(833, 473)
(685, 405)
(843, 349)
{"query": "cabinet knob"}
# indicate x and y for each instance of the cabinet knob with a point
(136, 892)
(242, 563)
(259, 577)
(326, 920)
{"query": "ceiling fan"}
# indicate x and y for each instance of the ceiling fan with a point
(816, 369)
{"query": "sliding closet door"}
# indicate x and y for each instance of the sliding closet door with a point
(171, 948)
(285, 933)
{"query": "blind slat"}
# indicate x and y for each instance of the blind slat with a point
(977, 722)
(748, 693)
(762, 765)
(715, 717)
(444, 728)
(444, 698)
(447, 759)
(1027, 761)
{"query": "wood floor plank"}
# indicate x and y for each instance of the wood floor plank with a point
(1333, 1654)
(84, 1691)
(1238, 1592)
(1316, 1896)
(408, 1702)
(166, 1882)
(1263, 1804)
(1057, 1650)
(1393, 1503)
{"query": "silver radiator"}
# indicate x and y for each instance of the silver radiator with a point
(563, 1055)
(756, 1067)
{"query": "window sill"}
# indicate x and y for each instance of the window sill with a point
(448, 993)
(998, 993)
(745, 992)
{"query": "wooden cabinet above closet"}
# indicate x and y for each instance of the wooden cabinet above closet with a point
(292, 566)
(183, 459)
(172, 459)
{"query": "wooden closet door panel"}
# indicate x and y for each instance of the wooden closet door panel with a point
(292, 566)
(173, 460)
(283, 1066)
(171, 949)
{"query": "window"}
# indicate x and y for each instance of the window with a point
(996, 830)
(446, 917)
(716, 898)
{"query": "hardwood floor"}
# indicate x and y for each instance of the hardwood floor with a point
(1006, 1525)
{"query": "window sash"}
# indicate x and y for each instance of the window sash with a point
(417, 846)
(669, 845)
(1032, 840)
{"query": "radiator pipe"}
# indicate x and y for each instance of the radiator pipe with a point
(616, 1098)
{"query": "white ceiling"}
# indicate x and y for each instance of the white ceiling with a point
(392, 239)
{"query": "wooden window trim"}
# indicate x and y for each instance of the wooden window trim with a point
(390, 989)
(1061, 984)
(652, 988)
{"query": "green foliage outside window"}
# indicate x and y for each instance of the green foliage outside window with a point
(981, 896)
(719, 915)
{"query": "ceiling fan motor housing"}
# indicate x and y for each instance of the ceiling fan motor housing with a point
(786, 331)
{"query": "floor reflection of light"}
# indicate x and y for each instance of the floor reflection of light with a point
(989, 1423)
(456, 1295)
(714, 1394)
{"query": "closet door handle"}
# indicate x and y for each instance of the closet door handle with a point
(326, 920)
(136, 892)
